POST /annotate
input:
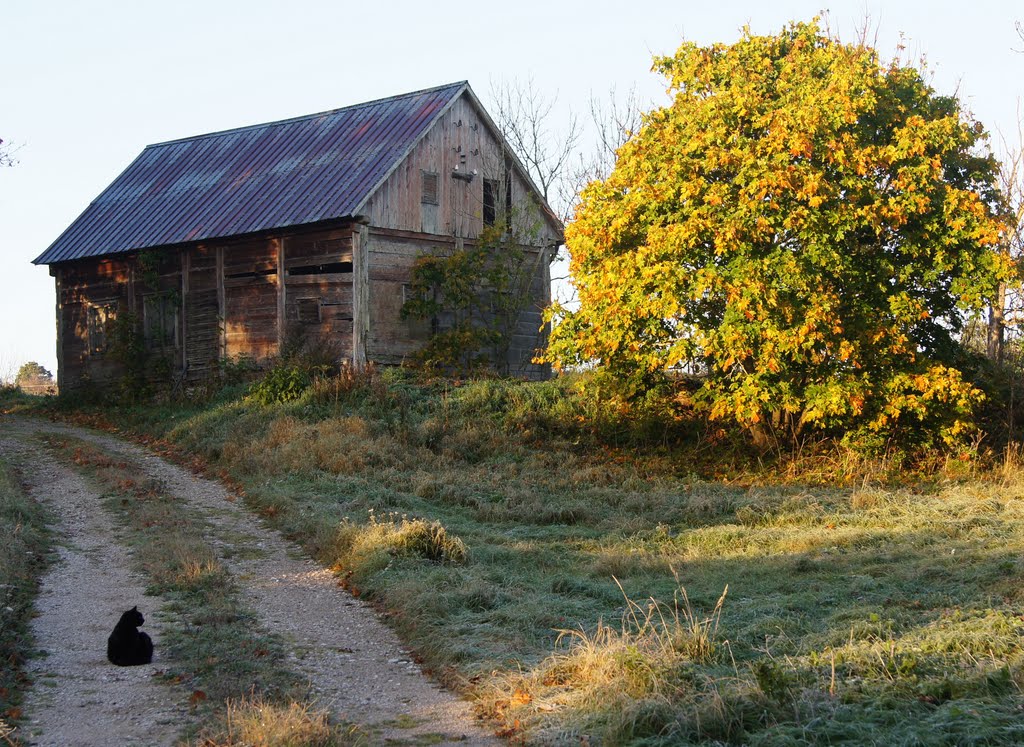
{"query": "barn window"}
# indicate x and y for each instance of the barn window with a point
(99, 319)
(328, 268)
(430, 187)
(490, 201)
(160, 321)
(250, 274)
(308, 310)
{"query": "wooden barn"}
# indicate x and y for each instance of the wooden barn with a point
(224, 245)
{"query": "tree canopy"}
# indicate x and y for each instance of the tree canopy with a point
(32, 372)
(800, 233)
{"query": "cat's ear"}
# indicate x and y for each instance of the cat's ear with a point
(135, 608)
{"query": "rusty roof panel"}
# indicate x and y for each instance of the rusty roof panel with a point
(288, 173)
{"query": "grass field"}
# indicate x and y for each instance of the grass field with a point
(23, 559)
(591, 579)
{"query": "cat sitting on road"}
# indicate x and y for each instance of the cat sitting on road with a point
(127, 646)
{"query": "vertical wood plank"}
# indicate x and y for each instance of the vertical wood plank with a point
(360, 295)
(186, 269)
(61, 364)
(130, 272)
(280, 294)
(221, 305)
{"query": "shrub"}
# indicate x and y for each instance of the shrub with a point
(366, 547)
(283, 383)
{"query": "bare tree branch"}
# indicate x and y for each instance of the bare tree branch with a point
(556, 154)
(527, 119)
(1006, 314)
(7, 154)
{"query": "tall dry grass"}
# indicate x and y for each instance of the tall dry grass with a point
(257, 722)
(606, 679)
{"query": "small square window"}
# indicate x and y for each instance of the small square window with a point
(308, 310)
(430, 187)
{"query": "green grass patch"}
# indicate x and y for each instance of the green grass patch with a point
(864, 606)
(23, 559)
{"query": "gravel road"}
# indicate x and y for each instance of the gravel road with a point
(356, 665)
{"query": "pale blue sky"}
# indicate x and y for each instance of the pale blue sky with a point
(85, 86)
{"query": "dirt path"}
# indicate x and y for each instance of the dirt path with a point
(356, 665)
(78, 697)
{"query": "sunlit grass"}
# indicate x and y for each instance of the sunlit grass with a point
(865, 605)
(255, 722)
(614, 679)
(359, 546)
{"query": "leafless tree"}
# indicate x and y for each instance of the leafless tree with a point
(614, 119)
(6, 154)
(1007, 310)
(528, 120)
(562, 157)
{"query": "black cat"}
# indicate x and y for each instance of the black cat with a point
(127, 646)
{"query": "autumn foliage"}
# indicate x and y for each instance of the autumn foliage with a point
(797, 237)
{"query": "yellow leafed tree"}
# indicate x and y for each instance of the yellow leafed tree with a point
(800, 233)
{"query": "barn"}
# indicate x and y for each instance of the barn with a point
(224, 245)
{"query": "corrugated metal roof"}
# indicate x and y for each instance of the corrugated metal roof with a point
(288, 173)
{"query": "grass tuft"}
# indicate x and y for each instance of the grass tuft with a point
(359, 547)
(613, 683)
(256, 722)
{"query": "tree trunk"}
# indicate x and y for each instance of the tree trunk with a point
(762, 441)
(996, 325)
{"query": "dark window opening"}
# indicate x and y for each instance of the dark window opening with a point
(508, 193)
(249, 274)
(308, 310)
(490, 201)
(328, 268)
(430, 187)
(99, 319)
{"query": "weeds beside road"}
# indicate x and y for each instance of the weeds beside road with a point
(23, 559)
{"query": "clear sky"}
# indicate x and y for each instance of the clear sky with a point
(84, 87)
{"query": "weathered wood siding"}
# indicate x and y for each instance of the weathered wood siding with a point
(210, 301)
(404, 226)
(462, 143)
(390, 262)
(392, 340)
(318, 307)
(84, 291)
(203, 347)
(250, 300)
